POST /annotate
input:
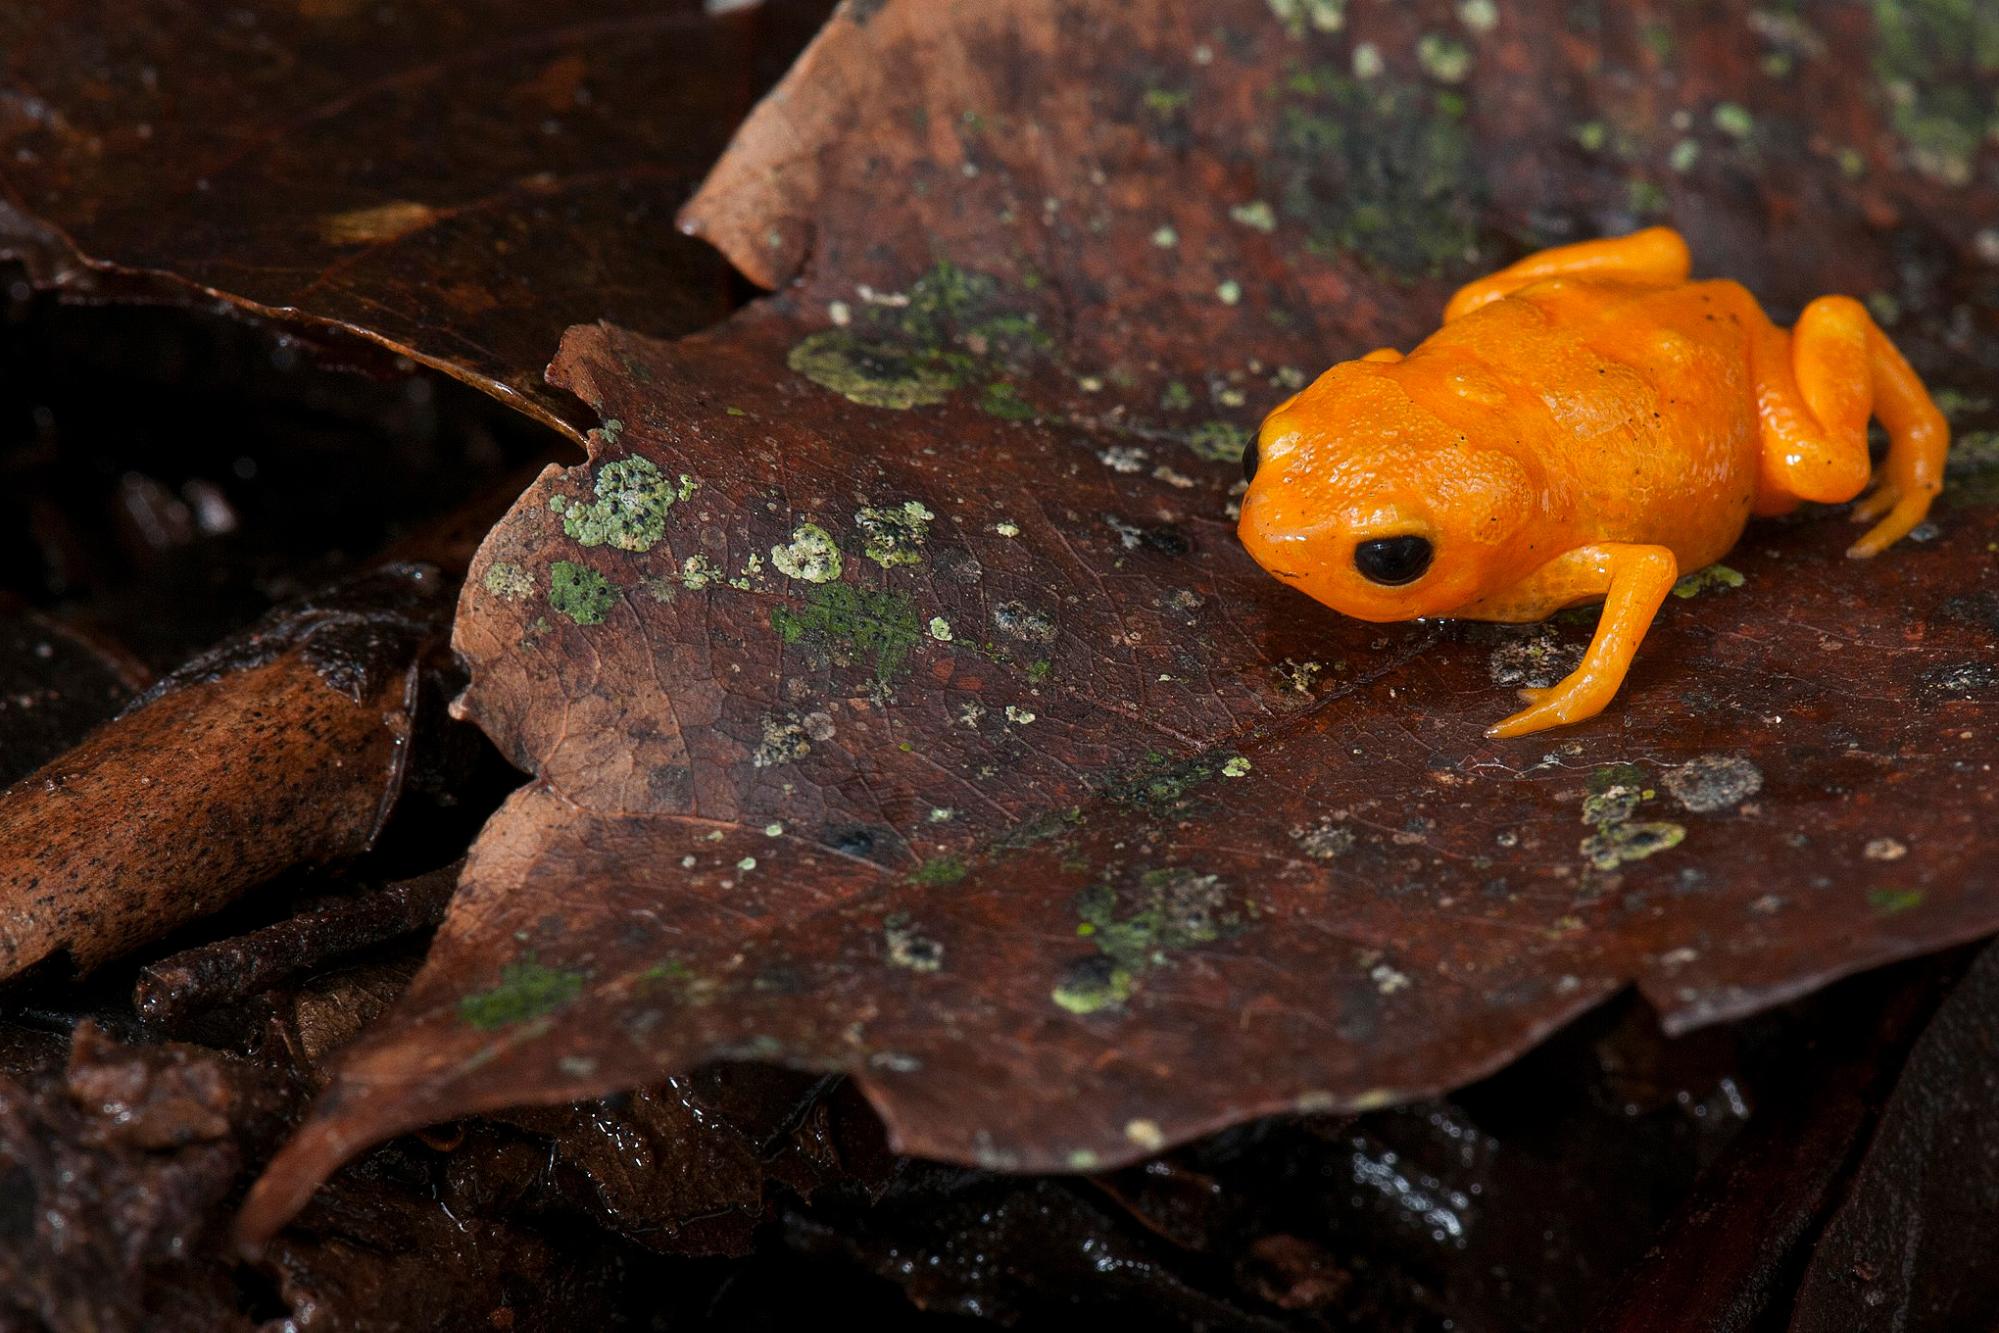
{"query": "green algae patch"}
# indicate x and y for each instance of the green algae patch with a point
(894, 534)
(1170, 910)
(1381, 168)
(939, 871)
(1971, 469)
(1934, 59)
(580, 592)
(852, 625)
(526, 991)
(1713, 578)
(810, 555)
(1888, 902)
(629, 511)
(1003, 400)
(952, 327)
(1161, 786)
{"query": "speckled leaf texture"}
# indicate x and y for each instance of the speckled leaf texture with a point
(901, 703)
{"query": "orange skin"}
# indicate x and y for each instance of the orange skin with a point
(1586, 424)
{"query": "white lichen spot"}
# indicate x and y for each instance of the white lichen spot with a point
(1684, 155)
(774, 829)
(1885, 849)
(1122, 458)
(1166, 238)
(1018, 716)
(940, 629)
(942, 814)
(1229, 292)
(1237, 767)
(810, 555)
(1367, 61)
(1387, 980)
(840, 313)
(1006, 527)
(1145, 1134)
(689, 861)
(1172, 478)
(747, 864)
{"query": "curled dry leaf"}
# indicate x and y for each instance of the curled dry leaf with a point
(281, 747)
(901, 703)
(455, 182)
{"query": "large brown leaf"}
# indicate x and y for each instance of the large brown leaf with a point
(456, 181)
(901, 702)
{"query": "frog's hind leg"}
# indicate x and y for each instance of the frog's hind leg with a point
(1816, 396)
(1655, 255)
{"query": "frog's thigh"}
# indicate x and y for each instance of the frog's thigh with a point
(1816, 393)
(1656, 254)
(1633, 580)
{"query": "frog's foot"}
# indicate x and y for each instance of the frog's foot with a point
(1898, 514)
(1577, 699)
(1632, 580)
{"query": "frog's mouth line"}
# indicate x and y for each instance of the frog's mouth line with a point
(1282, 573)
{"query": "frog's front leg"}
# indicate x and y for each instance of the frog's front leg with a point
(1632, 580)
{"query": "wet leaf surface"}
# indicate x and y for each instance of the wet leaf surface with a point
(900, 700)
(456, 182)
(1910, 1246)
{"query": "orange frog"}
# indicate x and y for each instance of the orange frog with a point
(1586, 424)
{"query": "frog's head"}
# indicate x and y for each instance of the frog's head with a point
(1367, 501)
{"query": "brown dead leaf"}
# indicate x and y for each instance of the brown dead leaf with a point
(901, 702)
(458, 183)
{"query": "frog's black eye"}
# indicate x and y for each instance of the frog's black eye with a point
(1249, 460)
(1393, 560)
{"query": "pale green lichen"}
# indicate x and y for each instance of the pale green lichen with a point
(894, 534)
(1318, 15)
(698, 572)
(940, 629)
(509, 582)
(811, 555)
(1615, 795)
(581, 593)
(1256, 215)
(629, 511)
(873, 374)
(1443, 58)
(1713, 578)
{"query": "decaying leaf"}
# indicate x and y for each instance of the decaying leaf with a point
(901, 703)
(325, 161)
